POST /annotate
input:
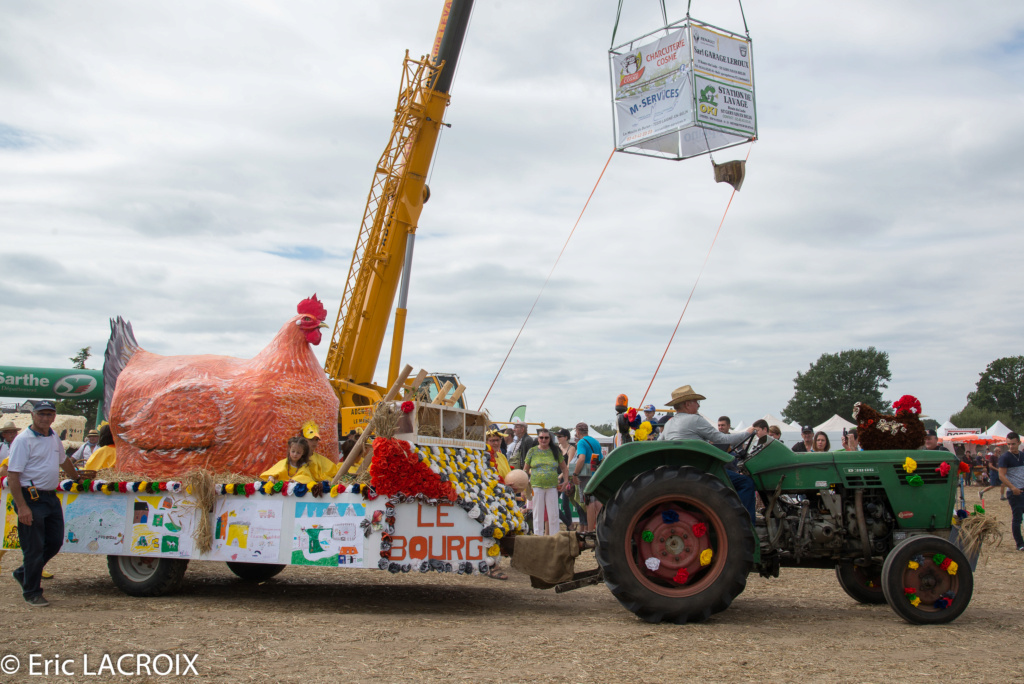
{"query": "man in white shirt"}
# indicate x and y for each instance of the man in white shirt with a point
(33, 475)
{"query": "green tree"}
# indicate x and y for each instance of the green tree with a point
(1001, 388)
(605, 429)
(972, 416)
(80, 407)
(835, 382)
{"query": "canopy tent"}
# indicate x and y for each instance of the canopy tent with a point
(941, 432)
(998, 430)
(781, 424)
(739, 428)
(977, 438)
(601, 439)
(835, 424)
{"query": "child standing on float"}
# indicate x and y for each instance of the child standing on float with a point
(295, 468)
(543, 464)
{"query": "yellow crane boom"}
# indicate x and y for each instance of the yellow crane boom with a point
(383, 250)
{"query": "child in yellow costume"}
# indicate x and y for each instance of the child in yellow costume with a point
(295, 468)
(321, 467)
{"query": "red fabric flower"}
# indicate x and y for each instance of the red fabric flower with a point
(250, 489)
(163, 486)
(682, 576)
(122, 487)
(945, 563)
(408, 406)
(943, 469)
(963, 467)
(909, 590)
(699, 530)
(396, 469)
(631, 415)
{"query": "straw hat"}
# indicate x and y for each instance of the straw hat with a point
(9, 425)
(684, 393)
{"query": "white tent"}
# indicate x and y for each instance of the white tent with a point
(781, 424)
(945, 427)
(835, 424)
(601, 439)
(739, 428)
(998, 430)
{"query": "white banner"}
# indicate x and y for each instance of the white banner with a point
(655, 112)
(640, 70)
(726, 106)
(722, 57)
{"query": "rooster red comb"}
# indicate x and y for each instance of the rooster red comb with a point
(907, 403)
(313, 307)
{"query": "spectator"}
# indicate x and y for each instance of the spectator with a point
(992, 463)
(565, 500)
(808, 444)
(763, 438)
(776, 432)
(543, 464)
(850, 441)
(85, 451)
(650, 417)
(33, 475)
(498, 460)
(519, 446)
(931, 441)
(105, 455)
(821, 443)
(688, 424)
(321, 468)
(7, 434)
(295, 467)
(1011, 472)
(588, 459)
(725, 424)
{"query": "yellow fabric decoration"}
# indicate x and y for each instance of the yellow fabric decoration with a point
(910, 465)
(916, 601)
(229, 488)
(642, 432)
(310, 429)
(497, 534)
(322, 468)
(104, 457)
(283, 472)
(494, 550)
(334, 491)
(705, 557)
(952, 568)
(913, 565)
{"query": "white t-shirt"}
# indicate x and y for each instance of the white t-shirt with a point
(37, 459)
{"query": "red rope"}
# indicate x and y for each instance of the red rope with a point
(699, 274)
(578, 218)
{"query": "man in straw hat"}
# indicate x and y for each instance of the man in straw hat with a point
(85, 451)
(8, 432)
(688, 424)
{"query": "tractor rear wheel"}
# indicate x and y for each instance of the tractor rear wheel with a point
(863, 583)
(675, 545)
(255, 572)
(927, 580)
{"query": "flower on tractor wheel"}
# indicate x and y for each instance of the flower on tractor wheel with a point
(705, 557)
(681, 577)
(699, 529)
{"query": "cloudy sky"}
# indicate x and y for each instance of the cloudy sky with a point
(200, 167)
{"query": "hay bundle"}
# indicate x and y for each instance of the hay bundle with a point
(199, 485)
(384, 422)
(976, 530)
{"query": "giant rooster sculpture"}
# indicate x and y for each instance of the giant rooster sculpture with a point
(170, 414)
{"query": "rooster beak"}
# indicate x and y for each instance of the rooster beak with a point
(323, 325)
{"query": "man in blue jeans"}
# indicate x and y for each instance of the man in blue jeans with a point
(688, 424)
(33, 473)
(1011, 472)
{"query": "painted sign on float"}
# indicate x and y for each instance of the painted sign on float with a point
(47, 383)
(441, 532)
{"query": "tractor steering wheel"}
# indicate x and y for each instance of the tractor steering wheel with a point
(744, 448)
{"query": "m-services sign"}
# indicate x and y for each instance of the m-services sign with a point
(49, 383)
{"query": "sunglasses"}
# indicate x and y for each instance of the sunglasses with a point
(548, 438)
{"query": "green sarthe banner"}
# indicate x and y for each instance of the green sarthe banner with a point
(50, 383)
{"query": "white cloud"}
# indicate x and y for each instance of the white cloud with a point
(201, 167)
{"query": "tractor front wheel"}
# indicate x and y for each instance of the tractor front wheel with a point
(927, 580)
(675, 545)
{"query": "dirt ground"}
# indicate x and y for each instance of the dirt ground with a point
(314, 625)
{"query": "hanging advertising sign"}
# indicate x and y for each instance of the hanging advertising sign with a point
(50, 383)
(644, 67)
(722, 57)
(655, 112)
(725, 106)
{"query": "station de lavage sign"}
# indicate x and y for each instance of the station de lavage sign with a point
(50, 383)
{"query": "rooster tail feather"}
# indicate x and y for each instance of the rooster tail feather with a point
(120, 348)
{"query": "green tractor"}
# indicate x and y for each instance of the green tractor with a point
(675, 544)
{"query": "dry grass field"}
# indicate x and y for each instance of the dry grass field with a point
(312, 625)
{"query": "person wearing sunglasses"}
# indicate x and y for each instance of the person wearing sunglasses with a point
(544, 464)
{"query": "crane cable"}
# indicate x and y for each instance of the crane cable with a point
(699, 274)
(553, 267)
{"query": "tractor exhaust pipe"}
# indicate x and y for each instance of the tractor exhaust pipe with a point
(862, 524)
